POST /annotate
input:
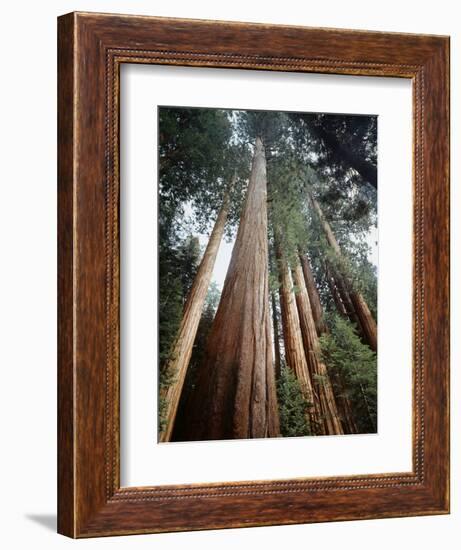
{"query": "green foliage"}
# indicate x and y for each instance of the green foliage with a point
(166, 378)
(199, 152)
(287, 200)
(270, 126)
(198, 353)
(188, 256)
(192, 151)
(329, 141)
(175, 285)
(358, 272)
(350, 209)
(170, 312)
(362, 277)
(206, 320)
(177, 269)
(355, 364)
(292, 405)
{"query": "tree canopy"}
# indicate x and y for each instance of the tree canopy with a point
(321, 172)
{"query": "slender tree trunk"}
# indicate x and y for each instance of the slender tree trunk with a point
(314, 298)
(294, 349)
(335, 292)
(365, 320)
(235, 395)
(343, 403)
(345, 297)
(275, 326)
(184, 341)
(318, 370)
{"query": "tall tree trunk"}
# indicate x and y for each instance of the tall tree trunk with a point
(314, 298)
(235, 396)
(318, 370)
(341, 308)
(294, 349)
(365, 320)
(182, 347)
(275, 326)
(345, 297)
(343, 403)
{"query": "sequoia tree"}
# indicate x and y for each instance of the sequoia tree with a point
(296, 261)
(295, 354)
(235, 395)
(275, 326)
(314, 298)
(318, 371)
(181, 351)
(359, 308)
(335, 380)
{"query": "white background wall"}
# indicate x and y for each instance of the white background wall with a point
(28, 271)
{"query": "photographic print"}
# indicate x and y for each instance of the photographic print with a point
(267, 274)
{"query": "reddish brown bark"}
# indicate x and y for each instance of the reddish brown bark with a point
(275, 327)
(294, 349)
(354, 302)
(235, 395)
(344, 294)
(314, 298)
(335, 292)
(365, 318)
(343, 403)
(325, 399)
(182, 347)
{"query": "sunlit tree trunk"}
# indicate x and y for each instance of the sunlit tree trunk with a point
(181, 350)
(235, 395)
(319, 373)
(366, 322)
(295, 355)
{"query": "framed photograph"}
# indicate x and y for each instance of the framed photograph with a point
(253, 277)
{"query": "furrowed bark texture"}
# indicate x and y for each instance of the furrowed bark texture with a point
(366, 320)
(339, 390)
(314, 298)
(236, 395)
(354, 302)
(294, 349)
(334, 291)
(326, 402)
(182, 347)
(275, 326)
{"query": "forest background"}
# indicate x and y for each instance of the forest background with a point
(286, 343)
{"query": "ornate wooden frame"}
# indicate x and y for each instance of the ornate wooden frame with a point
(91, 48)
